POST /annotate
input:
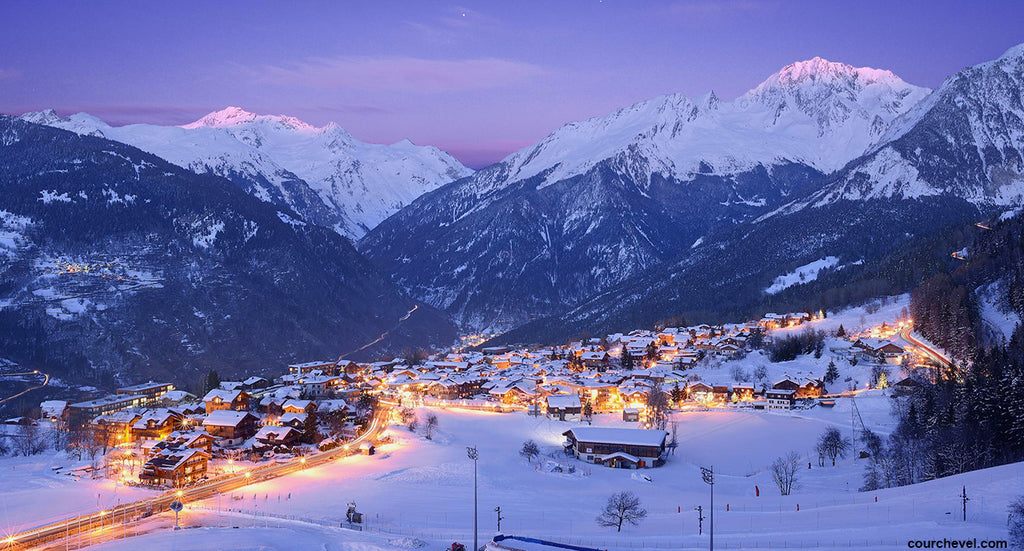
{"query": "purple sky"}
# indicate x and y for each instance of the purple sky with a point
(479, 80)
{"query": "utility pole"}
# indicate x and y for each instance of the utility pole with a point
(700, 519)
(963, 496)
(472, 453)
(498, 510)
(709, 478)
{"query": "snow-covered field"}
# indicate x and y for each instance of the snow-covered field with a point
(423, 489)
(35, 494)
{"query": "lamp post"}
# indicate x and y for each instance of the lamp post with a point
(471, 452)
(709, 478)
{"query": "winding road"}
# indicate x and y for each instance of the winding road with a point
(46, 381)
(927, 349)
(383, 335)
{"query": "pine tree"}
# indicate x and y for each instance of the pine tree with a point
(677, 394)
(627, 359)
(832, 373)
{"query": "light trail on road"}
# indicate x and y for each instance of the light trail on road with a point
(133, 512)
(46, 381)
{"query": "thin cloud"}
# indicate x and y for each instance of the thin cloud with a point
(401, 74)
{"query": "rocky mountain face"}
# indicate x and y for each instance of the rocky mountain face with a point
(322, 173)
(954, 159)
(600, 202)
(116, 266)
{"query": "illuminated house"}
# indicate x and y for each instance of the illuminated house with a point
(155, 424)
(565, 407)
(230, 427)
(618, 448)
(218, 399)
(175, 467)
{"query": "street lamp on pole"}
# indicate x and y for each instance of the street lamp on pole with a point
(471, 452)
(709, 478)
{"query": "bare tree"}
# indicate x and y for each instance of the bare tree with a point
(29, 441)
(831, 444)
(408, 416)
(530, 450)
(657, 408)
(429, 426)
(5, 447)
(621, 507)
(784, 471)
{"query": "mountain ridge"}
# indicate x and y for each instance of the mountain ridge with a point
(323, 173)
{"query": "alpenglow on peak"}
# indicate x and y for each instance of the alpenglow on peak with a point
(235, 116)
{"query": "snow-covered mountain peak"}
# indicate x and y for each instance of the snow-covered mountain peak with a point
(815, 112)
(822, 71)
(324, 174)
(232, 116)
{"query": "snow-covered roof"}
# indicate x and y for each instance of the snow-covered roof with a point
(224, 418)
(53, 408)
(274, 433)
(224, 395)
(629, 437)
(562, 401)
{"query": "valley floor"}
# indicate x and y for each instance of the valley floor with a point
(422, 489)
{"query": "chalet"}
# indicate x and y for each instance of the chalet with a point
(151, 390)
(53, 410)
(179, 440)
(879, 349)
(727, 349)
(516, 393)
(618, 448)
(218, 399)
(743, 392)
(230, 427)
(907, 385)
(319, 386)
(595, 359)
(631, 415)
(786, 384)
(298, 406)
(114, 428)
(444, 389)
(255, 383)
(565, 407)
(293, 420)
(277, 436)
(780, 399)
(720, 393)
(700, 392)
(772, 320)
(156, 424)
(812, 388)
(175, 468)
